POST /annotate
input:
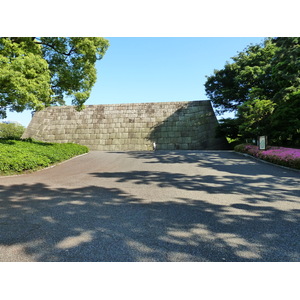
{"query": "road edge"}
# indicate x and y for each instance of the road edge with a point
(39, 170)
(266, 162)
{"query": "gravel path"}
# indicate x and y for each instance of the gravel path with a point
(152, 206)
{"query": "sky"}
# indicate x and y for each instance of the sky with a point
(157, 69)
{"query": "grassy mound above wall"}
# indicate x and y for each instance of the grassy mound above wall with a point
(288, 157)
(18, 156)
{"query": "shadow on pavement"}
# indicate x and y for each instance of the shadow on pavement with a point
(95, 223)
(224, 161)
(252, 188)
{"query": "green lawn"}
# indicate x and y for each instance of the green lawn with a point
(17, 156)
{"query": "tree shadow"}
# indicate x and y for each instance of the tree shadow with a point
(95, 223)
(223, 161)
(192, 126)
(5, 141)
(251, 189)
(237, 163)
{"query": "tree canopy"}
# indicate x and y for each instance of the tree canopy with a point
(39, 72)
(262, 85)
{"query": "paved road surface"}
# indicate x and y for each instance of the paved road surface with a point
(145, 206)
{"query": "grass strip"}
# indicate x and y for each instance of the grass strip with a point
(18, 156)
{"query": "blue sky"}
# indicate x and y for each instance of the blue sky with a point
(150, 69)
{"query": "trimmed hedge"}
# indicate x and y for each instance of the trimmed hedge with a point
(288, 157)
(17, 156)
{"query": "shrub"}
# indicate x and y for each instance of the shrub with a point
(288, 157)
(17, 156)
(11, 130)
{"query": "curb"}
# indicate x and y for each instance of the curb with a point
(52, 166)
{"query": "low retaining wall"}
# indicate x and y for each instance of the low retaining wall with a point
(135, 126)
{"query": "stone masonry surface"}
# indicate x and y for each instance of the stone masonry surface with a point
(135, 126)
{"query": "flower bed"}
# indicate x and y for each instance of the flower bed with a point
(288, 157)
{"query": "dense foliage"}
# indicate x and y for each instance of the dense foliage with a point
(18, 156)
(288, 157)
(39, 72)
(262, 85)
(11, 130)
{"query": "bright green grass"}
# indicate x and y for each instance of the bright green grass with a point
(17, 156)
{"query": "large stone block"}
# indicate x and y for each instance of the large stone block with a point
(135, 126)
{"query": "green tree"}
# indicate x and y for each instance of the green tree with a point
(11, 130)
(262, 86)
(228, 127)
(243, 79)
(39, 72)
(286, 74)
(254, 117)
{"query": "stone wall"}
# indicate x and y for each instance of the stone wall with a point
(135, 126)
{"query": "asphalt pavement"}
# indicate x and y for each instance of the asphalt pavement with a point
(167, 206)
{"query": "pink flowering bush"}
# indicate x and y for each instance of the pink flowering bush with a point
(288, 157)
